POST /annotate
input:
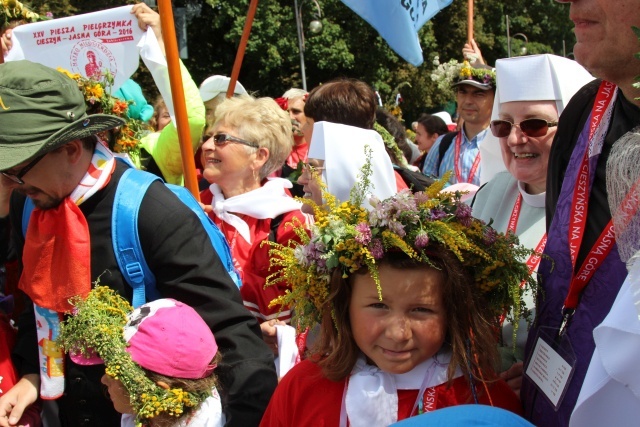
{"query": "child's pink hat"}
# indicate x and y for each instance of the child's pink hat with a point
(167, 337)
(170, 338)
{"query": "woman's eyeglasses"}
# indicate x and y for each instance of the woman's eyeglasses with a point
(530, 127)
(17, 178)
(223, 139)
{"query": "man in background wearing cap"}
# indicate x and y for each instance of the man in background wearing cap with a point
(475, 90)
(213, 90)
(581, 270)
(49, 153)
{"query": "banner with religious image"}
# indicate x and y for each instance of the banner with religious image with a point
(88, 44)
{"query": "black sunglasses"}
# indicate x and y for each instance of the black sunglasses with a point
(530, 127)
(223, 139)
(17, 178)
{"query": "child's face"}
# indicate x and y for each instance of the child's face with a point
(118, 395)
(408, 326)
(164, 118)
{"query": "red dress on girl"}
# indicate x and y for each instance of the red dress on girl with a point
(305, 397)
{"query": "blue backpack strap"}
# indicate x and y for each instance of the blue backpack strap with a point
(29, 206)
(126, 242)
(220, 244)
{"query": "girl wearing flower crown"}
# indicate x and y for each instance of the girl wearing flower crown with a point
(408, 296)
(158, 372)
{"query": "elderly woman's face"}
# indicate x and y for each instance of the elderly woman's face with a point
(527, 157)
(226, 165)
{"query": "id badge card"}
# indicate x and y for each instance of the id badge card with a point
(551, 365)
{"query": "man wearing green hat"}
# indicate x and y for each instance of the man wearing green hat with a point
(50, 153)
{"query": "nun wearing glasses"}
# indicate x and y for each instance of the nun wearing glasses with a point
(531, 93)
(249, 140)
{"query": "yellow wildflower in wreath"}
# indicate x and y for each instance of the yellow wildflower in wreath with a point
(13, 10)
(448, 74)
(96, 331)
(97, 95)
(348, 237)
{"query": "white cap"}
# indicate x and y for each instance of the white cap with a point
(529, 78)
(342, 148)
(446, 117)
(215, 85)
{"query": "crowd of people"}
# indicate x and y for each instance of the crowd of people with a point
(483, 273)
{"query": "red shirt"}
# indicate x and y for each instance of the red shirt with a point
(305, 398)
(252, 259)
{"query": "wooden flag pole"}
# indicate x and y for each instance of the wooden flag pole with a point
(470, 22)
(242, 47)
(177, 93)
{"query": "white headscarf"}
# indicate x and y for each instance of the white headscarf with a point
(342, 148)
(529, 78)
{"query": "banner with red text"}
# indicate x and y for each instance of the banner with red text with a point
(88, 44)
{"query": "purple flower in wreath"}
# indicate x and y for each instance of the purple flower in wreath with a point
(363, 233)
(376, 248)
(397, 227)
(437, 214)
(487, 78)
(490, 236)
(421, 197)
(463, 213)
(422, 239)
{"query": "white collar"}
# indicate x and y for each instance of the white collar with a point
(268, 201)
(533, 200)
(369, 387)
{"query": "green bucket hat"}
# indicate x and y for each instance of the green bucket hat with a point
(42, 109)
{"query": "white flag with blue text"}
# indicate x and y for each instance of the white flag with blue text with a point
(398, 22)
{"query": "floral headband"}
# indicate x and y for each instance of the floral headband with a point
(484, 76)
(97, 95)
(346, 236)
(96, 329)
(449, 74)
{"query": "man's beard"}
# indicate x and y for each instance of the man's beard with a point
(297, 131)
(45, 203)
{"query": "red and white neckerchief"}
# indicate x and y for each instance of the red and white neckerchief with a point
(51, 358)
(369, 387)
(456, 161)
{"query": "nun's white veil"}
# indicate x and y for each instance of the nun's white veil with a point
(342, 148)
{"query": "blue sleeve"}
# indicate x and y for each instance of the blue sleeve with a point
(430, 163)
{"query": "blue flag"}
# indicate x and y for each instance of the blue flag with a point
(398, 22)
